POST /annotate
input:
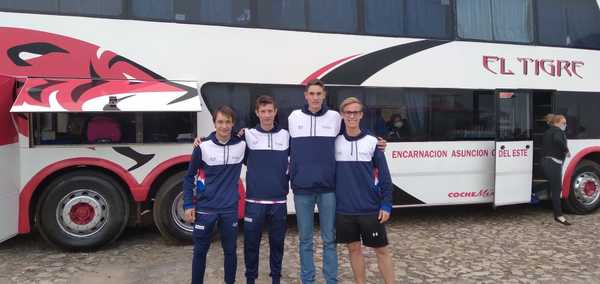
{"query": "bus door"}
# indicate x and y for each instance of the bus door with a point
(9, 190)
(514, 148)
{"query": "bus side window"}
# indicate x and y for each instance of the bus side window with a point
(168, 127)
(569, 23)
(580, 109)
(333, 16)
(511, 20)
(395, 114)
(113, 128)
(287, 14)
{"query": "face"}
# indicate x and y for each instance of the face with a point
(314, 95)
(223, 125)
(266, 114)
(562, 124)
(352, 115)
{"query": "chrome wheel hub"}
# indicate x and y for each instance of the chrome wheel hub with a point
(82, 213)
(587, 188)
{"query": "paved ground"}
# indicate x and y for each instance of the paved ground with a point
(518, 244)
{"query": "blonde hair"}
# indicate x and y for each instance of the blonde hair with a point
(350, 100)
(557, 118)
(548, 118)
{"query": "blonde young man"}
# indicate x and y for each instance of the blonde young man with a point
(362, 204)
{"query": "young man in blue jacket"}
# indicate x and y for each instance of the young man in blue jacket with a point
(267, 186)
(221, 157)
(363, 203)
(313, 130)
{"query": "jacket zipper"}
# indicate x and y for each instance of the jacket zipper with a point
(270, 140)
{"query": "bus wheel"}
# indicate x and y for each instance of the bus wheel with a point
(82, 210)
(585, 188)
(168, 211)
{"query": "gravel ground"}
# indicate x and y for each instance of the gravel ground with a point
(466, 244)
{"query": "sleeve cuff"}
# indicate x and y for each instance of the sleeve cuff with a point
(386, 207)
(188, 206)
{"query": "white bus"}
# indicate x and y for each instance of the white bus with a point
(100, 99)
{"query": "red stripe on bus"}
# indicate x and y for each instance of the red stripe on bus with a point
(566, 186)
(325, 68)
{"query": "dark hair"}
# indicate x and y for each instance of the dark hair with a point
(315, 82)
(265, 100)
(225, 111)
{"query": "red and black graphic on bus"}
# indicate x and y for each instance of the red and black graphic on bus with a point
(60, 59)
(357, 69)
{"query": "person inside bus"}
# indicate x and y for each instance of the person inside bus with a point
(221, 158)
(555, 150)
(398, 128)
(363, 205)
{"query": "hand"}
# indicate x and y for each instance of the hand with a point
(190, 215)
(383, 216)
(198, 141)
(381, 143)
(241, 132)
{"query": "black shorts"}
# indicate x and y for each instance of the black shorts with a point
(354, 228)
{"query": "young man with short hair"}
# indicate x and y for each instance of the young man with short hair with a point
(313, 130)
(221, 157)
(267, 186)
(363, 203)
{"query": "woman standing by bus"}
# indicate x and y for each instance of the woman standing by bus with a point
(555, 150)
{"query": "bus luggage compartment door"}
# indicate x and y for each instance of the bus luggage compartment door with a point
(514, 148)
(9, 191)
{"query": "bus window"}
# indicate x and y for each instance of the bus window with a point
(569, 23)
(333, 16)
(227, 12)
(462, 115)
(411, 114)
(511, 21)
(169, 127)
(31, 5)
(241, 98)
(286, 14)
(113, 128)
(396, 114)
(77, 7)
(92, 7)
(514, 117)
(417, 18)
(384, 17)
(428, 18)
(152, 9)
(580, 109)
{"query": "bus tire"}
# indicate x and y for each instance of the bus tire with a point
(168, 211)
(82, 210)
(584, 196)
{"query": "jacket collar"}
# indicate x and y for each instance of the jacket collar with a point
(321, 112)
(362, 134)
(275, 129)
(233, 140)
